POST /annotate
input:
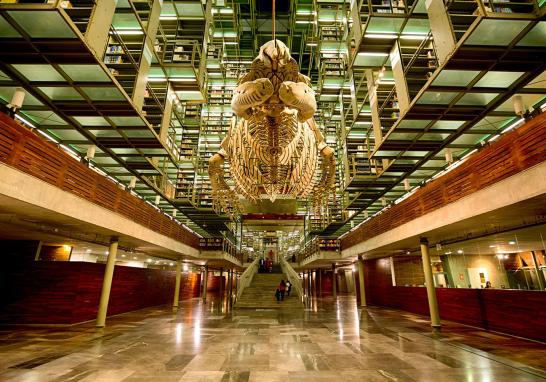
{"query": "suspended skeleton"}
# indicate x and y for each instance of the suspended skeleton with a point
(273, 150)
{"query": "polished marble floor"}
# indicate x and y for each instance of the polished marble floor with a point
(328, 341)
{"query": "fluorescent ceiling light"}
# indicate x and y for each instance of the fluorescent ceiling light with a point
(381, 35)
(414, 36)
(168, 17)
(231, 43)
(157, 79)
(386, 82)
(128, 32)
(182, 79)
(372, 54)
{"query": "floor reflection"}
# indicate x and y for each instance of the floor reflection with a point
(327, 340)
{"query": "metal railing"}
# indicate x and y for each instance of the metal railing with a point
(246, 277)
(292, 276)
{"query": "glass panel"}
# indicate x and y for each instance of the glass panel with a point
(85, 73)
(103, 94)
(535, 37)
(7, 92)
(44, 117)
(435, 98)
(60, 93)
(92, 121)
(127, 121)
(498, 79)
(6, 30)
(51, 24)
(385, 25)
(447, 125)
(479, 99)
(39, 72)
(68, 135)
(496, 32)
(455, 77)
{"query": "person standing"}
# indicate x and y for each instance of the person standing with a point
(288, 288)
(282, 289)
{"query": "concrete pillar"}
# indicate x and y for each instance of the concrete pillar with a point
(177, 284)
(361, 283)
(230, 286)
(401, 85)
(167, 114)
(334, 281)
(374, 107)
(540, 275)
(440, 25)
(107, 283)
(320, 282)
(431, 290)
(222, 286)
(147, 54)
(98, 26)
(205, 277)
(310, 281)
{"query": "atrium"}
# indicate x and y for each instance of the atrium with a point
(242, 190)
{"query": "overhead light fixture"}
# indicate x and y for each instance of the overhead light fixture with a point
(182, 79)
(156, 79)
(128, 32)
(460, 251)
(381, 35)
(492, 246)
(87, 250)
(511, 242)
(168, 17)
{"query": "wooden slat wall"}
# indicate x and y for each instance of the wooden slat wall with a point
(24, 150)
(69, 292)
(515, 312)
(510, 154)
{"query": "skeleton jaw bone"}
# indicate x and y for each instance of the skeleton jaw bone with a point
(251, 94)
(300, 96)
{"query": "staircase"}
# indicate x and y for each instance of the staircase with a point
(260, 294)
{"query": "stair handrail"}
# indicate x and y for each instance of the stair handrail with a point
(247, 276)
(292, 276)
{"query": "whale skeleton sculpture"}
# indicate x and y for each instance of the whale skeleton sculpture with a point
(273, 151)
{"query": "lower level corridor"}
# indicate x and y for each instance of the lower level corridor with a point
(329, 341)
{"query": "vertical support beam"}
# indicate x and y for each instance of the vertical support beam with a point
(320, 282)
(334, 281)
(167, 113)
(98, 27)
(402, 93)
(361, 281)
(431, 290)
(357, 24)
(540, 275)
(310, 281)
(440, 25)
(222, 286)
(147, 54)
(374, 107)
(176, 296)
(230, 287)
(205, 279)
(107, 283)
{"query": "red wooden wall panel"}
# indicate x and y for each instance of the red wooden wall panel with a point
(515, 312)
(69, 292)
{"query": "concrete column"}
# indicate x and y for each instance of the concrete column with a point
(167, 114)
(361, 283)
(147, 55)
(177, 284)
(374, 107)
(205, 277)
(401, 85)
(310, 281)
(440, 25)
(230, 286)
(431, 290)
(334, 281)
(538, 272)
(320, 282)
(222, 287)
(107, 283)
(96, 34)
